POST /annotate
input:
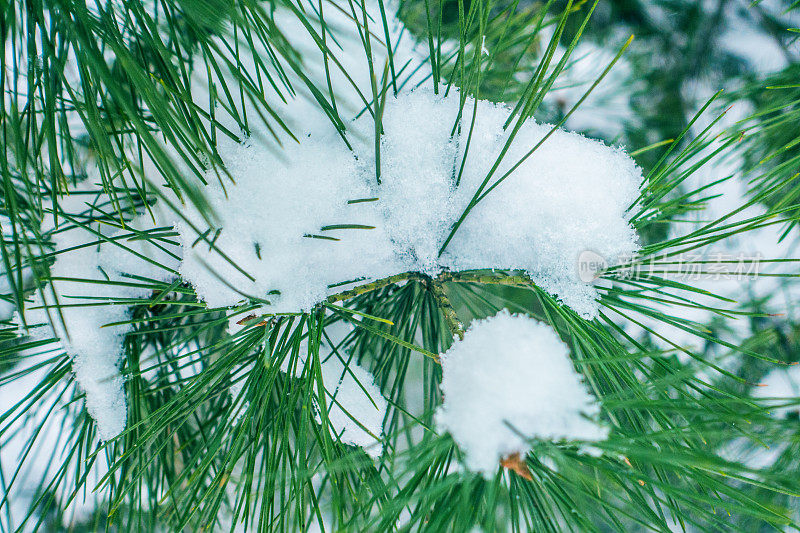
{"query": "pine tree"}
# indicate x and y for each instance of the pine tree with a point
(323, 266)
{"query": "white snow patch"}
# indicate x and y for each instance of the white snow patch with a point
(569, 196)
(511, 379)
(78, 310)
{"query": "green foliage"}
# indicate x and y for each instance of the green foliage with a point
(194, 456)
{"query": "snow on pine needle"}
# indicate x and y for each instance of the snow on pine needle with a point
(313, 206)
(381, 198)
(91, 269)
(327, 208)
(297, 223)
(510, 379)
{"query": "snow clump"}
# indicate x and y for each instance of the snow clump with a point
(88, 294)
(509, 380)
(299, 223)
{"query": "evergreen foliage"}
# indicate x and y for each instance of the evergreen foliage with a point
(100, 110)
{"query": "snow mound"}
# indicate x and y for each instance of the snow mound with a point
(508, 379)
(316, 215)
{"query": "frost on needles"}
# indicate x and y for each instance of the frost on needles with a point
(296, 223)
